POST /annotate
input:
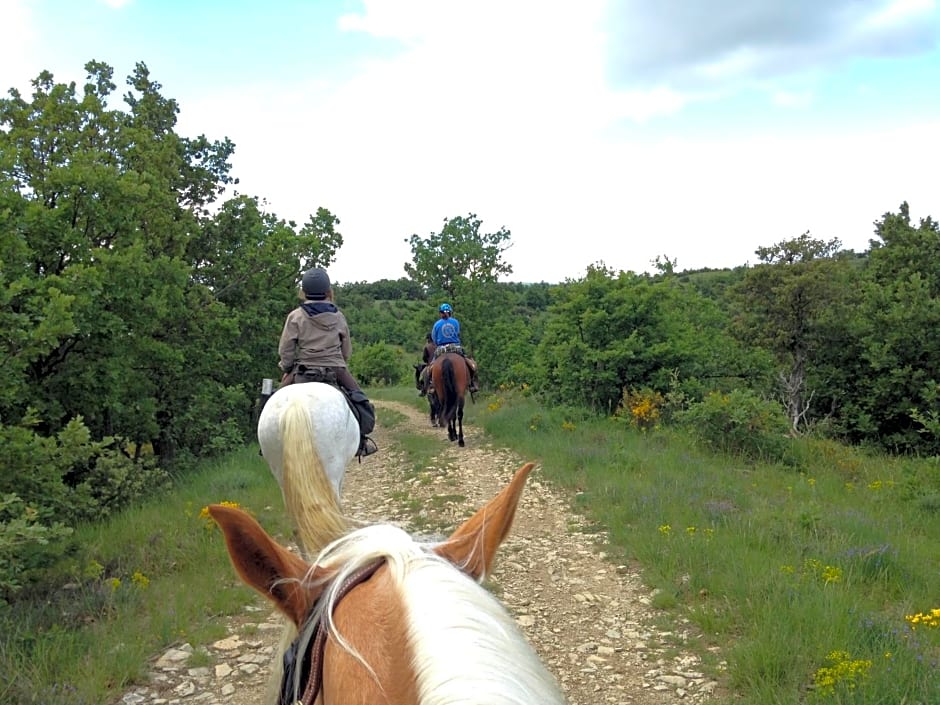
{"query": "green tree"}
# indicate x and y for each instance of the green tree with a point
(462, 264)
(897, 398)
(793, 304)
(457, 256)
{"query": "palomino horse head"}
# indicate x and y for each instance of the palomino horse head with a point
(308, 435)
(450, 378)
(404, 623)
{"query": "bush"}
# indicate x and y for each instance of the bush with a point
(642, 408)
(741, 423)
(379, 364)
(23, 542)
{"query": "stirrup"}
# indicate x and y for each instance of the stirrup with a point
(366, 447)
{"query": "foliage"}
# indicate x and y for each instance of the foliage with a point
(641, 408)
(739, 423)
(458, 255)
(379, 364)
(610, 332)
(138, 581)
(794, 305)
(138, 312)
(51, 482)
(22, 543)
(900, 338)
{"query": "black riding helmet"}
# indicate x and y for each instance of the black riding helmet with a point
(315, 283)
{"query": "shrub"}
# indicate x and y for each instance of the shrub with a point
(22, 542)
(378, 364)
(741, 423)
(640, 408)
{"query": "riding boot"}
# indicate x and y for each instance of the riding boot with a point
(473, 381)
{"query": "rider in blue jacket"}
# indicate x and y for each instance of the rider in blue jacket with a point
(446, 331)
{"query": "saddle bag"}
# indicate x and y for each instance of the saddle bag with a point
(363, 410)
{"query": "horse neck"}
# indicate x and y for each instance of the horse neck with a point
(420, 609)
(372, 655)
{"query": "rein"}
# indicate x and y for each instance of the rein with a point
(310, 645)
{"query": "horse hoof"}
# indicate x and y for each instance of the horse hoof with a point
(460, 443)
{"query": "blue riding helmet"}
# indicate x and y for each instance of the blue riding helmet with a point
(445, 308)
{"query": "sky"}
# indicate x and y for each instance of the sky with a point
(598, 132)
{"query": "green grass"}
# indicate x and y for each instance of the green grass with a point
(148, 578)
(801, 575)
(780, 566)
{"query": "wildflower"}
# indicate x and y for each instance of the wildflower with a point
(665, 529)
(921, 619)
(115, 583)
(567, 426)
(831, 574)
(207, 518)
(690, 530)
(140, 580)
(845, 672)
(875, 485)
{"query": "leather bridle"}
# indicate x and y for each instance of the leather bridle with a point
(304, 657)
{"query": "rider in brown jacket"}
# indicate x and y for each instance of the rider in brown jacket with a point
(316, 337)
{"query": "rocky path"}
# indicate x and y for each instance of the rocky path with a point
(589, 619)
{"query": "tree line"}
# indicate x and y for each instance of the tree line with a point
(141, 299)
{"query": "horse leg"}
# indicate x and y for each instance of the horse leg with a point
(460, 424)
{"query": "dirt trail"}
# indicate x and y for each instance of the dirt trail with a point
(588, 618)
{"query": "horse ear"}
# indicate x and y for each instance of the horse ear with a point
(264, 564)
(472, 547)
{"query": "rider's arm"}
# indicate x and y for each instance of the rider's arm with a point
(287, 347)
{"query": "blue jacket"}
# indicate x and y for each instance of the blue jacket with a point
(446, 330)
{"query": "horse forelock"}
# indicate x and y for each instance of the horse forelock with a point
(461, 636)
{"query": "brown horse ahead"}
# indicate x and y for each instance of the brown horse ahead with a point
(450, 378)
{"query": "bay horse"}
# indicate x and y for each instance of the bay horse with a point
(385, 620)
(433, 402)
(450, 378)
(308, 435)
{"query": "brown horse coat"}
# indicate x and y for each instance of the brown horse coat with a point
(450, 378)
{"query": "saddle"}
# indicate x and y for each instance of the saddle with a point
(449, 348)
(358, 402)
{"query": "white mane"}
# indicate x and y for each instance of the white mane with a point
(467, 647)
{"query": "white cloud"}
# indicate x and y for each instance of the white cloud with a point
(692, 44)
(792, 99)
(505, 113)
